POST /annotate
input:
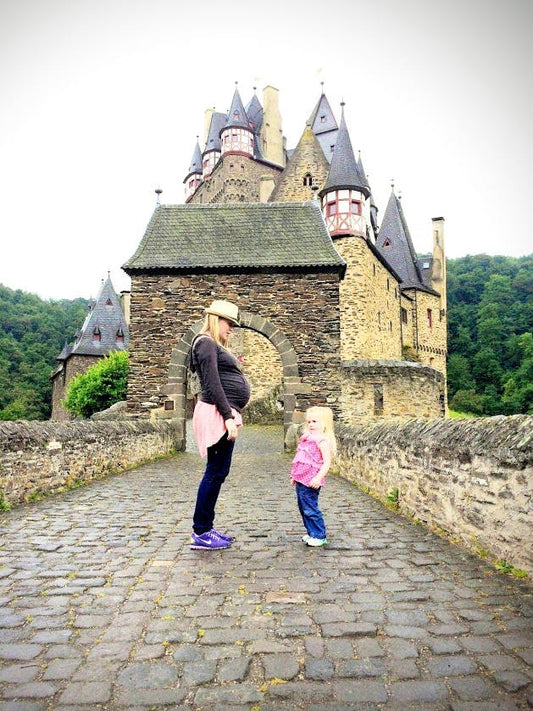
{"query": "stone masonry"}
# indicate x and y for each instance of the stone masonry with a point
(105, 608)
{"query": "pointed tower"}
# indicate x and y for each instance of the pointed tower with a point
(212, 149)
(104, 330)
(395, 244)
(324, 126)
(346, 190)
(237, 135)
(194, 176)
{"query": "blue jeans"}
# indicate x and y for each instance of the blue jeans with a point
(216, 470)
(311, 514)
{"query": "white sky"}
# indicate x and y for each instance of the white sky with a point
(101, 102)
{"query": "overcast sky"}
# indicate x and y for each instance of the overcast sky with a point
(102, 101)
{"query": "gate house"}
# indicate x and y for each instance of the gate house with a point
(276, 261)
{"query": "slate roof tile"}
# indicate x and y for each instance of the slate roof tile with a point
(243, 237)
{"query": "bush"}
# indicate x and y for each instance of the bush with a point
(102, 385)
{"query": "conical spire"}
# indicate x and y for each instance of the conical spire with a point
(218, 121)
(196, 160)
(322, 118)
(98, 335)
(237, 115)
(395, 244)
(254, 112)
(345, 171)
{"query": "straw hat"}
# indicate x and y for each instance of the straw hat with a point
(224, 309)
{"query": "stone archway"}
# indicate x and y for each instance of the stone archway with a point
(292, 385)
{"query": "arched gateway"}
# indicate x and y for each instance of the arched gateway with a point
(292, 384)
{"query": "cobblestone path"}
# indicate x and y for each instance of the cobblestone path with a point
(104, 606)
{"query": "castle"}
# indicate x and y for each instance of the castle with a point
(336, 305)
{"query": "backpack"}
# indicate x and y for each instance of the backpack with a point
(194, 386)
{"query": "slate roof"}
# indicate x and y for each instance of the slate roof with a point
(106, 315)
(324, 125)
(395, 244)
(218, 121)
(344, 171)
(239, 237)
(237, 114)
(254, 111)
(196, 161)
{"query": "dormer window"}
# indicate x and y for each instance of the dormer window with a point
(120, 336)
(387, 243)
(323, 118)
(109, 302)
(236, 115)
(97, 335)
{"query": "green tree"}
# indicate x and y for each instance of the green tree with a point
(102, 385)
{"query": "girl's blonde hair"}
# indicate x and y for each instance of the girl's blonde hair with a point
(211, 327)
(325, 416)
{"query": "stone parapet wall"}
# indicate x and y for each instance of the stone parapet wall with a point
(470, 478)
(390, 389)
(42, 457)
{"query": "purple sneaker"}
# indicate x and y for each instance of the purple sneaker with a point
(224, 536)
(208, 541)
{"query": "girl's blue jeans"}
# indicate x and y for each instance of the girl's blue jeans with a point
(216, 470)
(311, 514)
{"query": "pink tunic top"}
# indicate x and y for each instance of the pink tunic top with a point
(308, 458)
(208, 425)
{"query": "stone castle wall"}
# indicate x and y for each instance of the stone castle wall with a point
(73, 366)
(431, 338)
(43, 457)
(369, 303)
(472, 479)
(390, 389)
(235, 179)
(302, 306)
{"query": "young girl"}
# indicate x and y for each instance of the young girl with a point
(310, 465)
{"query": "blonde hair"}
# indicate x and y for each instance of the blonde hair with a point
(325, 417)
(211, 327)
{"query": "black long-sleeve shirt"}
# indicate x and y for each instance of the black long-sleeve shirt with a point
(223, 383)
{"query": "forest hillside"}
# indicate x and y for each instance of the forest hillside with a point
(490, 341)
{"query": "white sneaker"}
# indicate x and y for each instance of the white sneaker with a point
(315, 542)
(306, 538)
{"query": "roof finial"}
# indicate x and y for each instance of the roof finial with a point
(322, 85)
(392, 184)
(158, 192)
(399, 194)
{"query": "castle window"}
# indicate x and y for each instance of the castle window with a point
(356, 207)
(404, 315)
(231, 167)
(390, 326)
(374, 268)
(308, 180)
(331, 208)
(120, 336)
(430, 318)
(388, 284)
(97, 336)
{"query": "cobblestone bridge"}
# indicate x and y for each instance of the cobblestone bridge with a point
(104, 606)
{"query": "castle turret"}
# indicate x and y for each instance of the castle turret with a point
(324, 126)
(346, 190)
(237, 135)
(396, 246)
(194, 176)
(216, 122)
